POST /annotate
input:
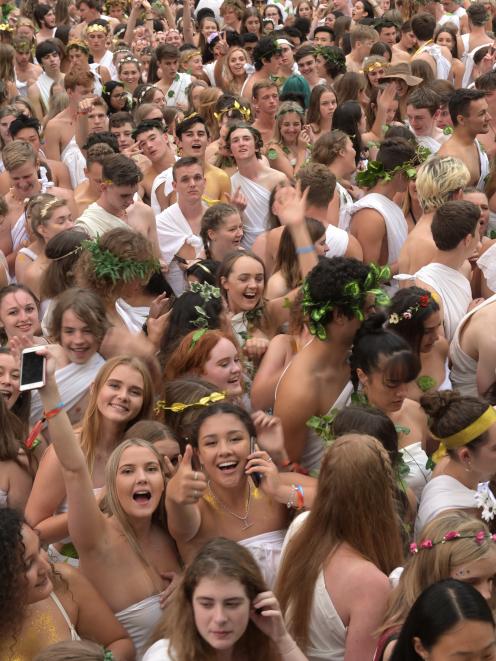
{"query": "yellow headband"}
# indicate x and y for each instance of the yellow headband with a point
(178, 407)
(465, 436)
(374, 66)
(96, 28)
(188, 56)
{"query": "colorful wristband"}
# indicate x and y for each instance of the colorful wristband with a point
(304, 250)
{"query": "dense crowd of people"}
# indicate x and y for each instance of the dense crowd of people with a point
(252, 247)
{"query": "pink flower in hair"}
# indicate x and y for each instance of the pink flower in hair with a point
(414, 547)
(426, 544)
(480, 536)
(493, 538)
(407, 315)
(452, 534)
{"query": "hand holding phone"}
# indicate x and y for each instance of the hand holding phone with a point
(256, 477)
(33, 369)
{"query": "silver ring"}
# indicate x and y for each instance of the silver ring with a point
(195, 476)
(269, 458)
(196, 494)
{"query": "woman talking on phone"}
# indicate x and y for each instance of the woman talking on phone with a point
(224, 486)
(224, 605)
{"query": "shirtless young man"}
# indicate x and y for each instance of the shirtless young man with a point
(60, 131)
(28, 129)
(89, 191)
(254, 179)
(172, 83)
(402, 51)
(362, 38)
(265, 101)
(318, 377)
(192, 139)
(266, 60)
(469, 114)
(487, 83)
(45, 18)
(48, 55)
(116, 207)
(26, 72)
(153, 142)
(96, 35)
(376, 221)
(439, 180)
(21, 163)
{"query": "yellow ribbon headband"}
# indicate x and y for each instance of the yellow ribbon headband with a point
(465, 436)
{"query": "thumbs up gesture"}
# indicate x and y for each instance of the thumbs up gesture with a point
(188, 485)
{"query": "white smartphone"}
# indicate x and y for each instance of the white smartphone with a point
(33, 369)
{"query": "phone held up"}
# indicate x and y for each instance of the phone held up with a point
(33, 369)
(256, 477)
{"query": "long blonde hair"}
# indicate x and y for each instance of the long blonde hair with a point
(354, 504)
(435, 564)
(91, 424)
(111, 505)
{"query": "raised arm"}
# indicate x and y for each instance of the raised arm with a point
(183, 492)
(86, 522)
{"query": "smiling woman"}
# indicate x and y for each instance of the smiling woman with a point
(123, 548)
(18, 313)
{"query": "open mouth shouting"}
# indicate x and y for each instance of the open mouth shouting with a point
(142, 496)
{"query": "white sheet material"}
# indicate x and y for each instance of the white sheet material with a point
(266, 549)
(327, 633)
(73, 382)
(164, 177)
(440, 494)
(337, 241)
(44, 84)
(73, 157)
(133, 317)
(468, 59)
(416, 460)
(140, 620)
(443, 66)
(463, 366)
(454, 290)
(483, 165)
(257, 210)
(394, 219)
(173, 231)
(96, 221)
(345, 206)
(176, 95)
(487, 264)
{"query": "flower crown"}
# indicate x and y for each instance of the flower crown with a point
(5, 27)
(243, 110)
(179, 407)
(352, 297)
(375, 169)
(410, 312)
(188, 55)
(78, 43)
(110, 266)
(450, 536)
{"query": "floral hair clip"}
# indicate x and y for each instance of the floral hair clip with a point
(5, 27)
(450, 536)
(410, 312)
(179, 407)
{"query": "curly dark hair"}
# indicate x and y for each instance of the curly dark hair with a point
(13, 590)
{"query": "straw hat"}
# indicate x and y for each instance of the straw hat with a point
(402, 71)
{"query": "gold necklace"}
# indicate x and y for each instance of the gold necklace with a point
(243, 519)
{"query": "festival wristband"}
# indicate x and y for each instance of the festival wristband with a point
(304, 250)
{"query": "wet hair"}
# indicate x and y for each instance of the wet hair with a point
(452, 222)
(441, 608)
(459, 104)
(373, 342)
(449, 412)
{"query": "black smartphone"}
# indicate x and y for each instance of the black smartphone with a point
(32, 369)
(256, 477)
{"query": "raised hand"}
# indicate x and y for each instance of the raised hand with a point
(260, 462)
(255, 347)
(238, 200)
(267, 616)
(188, 485)
(290, 205)
(270, 435)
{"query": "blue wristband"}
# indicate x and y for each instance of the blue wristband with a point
(304, 250)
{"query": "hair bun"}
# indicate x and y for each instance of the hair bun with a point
(437, 404)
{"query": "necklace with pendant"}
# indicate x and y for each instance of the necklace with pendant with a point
(243, 519)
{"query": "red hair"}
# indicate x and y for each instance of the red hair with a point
(190, 357)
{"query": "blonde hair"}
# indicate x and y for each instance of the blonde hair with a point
(17, 153)
(355, 476)
(91, 424)
(41, 213)
(438, 178)
(111, 505)
(435, 564)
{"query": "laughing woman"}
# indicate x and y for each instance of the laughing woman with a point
(42, 604)
(123, 545)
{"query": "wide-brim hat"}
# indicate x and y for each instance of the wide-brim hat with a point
(403, 72)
